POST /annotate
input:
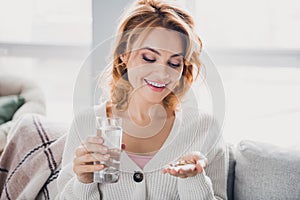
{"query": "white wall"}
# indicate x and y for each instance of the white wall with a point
(256, 48)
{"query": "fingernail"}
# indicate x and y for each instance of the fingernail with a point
(100, 166)
(105, 149)
(123, 146)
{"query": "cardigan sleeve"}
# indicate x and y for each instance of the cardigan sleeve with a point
(69, 187)
(212, 183)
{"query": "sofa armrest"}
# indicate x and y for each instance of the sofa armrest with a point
(34, 101)
(34, 97)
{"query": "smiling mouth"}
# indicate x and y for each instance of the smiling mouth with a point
(155, 84)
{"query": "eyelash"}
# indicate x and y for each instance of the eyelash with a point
(174, 65)
(169, 63)
(148, 60)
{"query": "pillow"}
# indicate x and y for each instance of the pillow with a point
(265, 171)
(8, 106)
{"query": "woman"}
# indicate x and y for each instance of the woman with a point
(156, 59)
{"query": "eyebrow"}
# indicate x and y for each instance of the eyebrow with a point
(155, 51)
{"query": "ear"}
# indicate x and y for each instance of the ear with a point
(123, 57)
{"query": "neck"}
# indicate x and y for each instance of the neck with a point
(143, 112)
(144, 120)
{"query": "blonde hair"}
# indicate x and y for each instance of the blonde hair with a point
(146, 14)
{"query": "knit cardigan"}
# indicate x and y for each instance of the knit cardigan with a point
(191, 131)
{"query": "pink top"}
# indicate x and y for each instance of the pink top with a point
(141, 161)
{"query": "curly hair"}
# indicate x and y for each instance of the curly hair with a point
(140, 18)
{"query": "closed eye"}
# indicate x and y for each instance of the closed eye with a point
(148, 59)
(175, 65)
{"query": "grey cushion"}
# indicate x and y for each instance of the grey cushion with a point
(265, 171)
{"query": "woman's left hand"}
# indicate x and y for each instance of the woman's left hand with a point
(195, 158)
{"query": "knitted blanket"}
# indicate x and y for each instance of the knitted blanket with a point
(31, 160)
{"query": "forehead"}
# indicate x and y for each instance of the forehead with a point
(162, 39)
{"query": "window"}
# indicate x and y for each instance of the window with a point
(256, 48)
(46, 41)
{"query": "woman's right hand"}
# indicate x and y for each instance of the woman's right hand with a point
(86, 154)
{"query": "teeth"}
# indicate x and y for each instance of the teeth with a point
(156, 84)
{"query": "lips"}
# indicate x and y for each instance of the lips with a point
(156, 84)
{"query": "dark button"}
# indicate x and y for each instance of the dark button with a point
(138, 176)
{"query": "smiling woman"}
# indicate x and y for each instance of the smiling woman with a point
(178, 44)
(155, 62)
(159, 66)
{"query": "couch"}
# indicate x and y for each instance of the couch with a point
(260, 171)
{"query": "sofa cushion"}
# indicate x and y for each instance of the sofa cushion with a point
(265, 171)
(8, 106)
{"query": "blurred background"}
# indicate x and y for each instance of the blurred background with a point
(255, 46)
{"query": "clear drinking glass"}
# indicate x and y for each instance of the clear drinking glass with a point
(111, 131)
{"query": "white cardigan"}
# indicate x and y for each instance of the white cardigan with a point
(191, 131)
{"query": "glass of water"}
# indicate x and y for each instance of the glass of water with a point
(110, 129)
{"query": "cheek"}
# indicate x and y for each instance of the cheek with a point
(132, 71)
(175, 75)
(136, 76)
(132, 77)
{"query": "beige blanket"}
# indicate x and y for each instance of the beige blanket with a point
(31, 160)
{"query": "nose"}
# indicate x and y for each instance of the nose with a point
(163, 73)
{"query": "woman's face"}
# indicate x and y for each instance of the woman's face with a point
(155, 66)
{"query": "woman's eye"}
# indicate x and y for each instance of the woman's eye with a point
(174, 64)
(151, 60)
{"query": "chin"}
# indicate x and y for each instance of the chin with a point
(153, 99)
